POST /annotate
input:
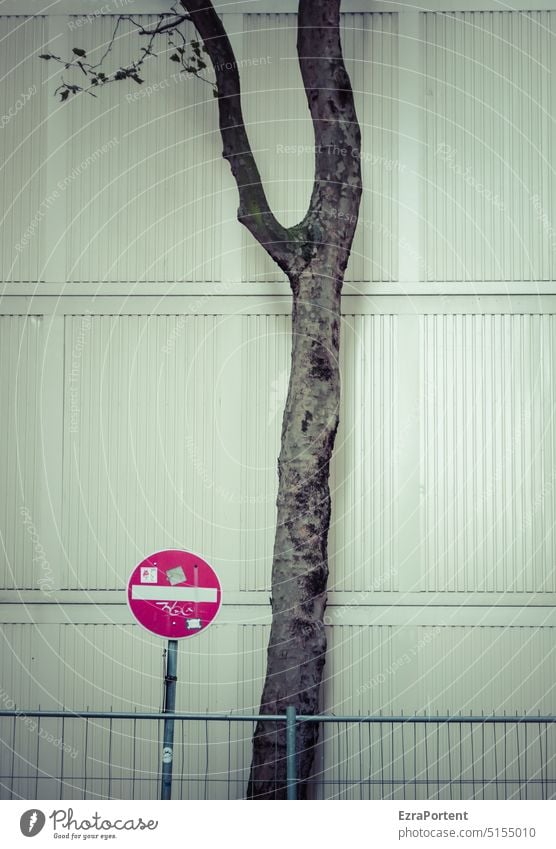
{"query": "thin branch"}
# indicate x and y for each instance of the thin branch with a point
(190, 64)
(170, 26)
(110, 44)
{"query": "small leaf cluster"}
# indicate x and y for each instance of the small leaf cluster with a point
(192, 63)
(189, 55)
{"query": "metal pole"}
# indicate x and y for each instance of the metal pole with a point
(291, 753)
(169, 707)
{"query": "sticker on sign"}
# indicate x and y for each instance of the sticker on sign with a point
(174, 594)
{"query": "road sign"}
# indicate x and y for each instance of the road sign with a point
(174, 594)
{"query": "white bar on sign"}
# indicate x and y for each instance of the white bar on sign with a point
(146, 593)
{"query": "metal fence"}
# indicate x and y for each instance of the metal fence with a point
(114, 755)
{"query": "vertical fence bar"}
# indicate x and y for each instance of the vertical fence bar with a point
(544, 785)
(110, 727)
(450, 777)
(518, 759)
(371, 786)
(37, 759)
(360, 782)
(495, 761)
(207, 757)
(134, 758)
(13, 759)
(403, 764)
(525, 764)
(182, 768)
(229, 756)
(85, 756)
(437, 759)
(291, 753)
(62, 764)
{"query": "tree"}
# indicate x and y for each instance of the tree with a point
(313, 254)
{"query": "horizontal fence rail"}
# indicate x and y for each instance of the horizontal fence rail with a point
(57, 754)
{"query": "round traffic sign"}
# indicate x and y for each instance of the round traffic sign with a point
(174, 594)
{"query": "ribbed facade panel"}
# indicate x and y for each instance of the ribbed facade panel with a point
(281, 133)
(22, 558)
(265, 370)
(488, 453)
(439, 669)
(141, 458)
(22, 148)
(487, 669)
(364, 481)
(489, 187)
(77, 666)
(172, 428)
(144, 169)
(370, 44)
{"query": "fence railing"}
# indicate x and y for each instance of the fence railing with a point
(116, 755)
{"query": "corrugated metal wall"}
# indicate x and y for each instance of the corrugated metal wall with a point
(489, 132)
(22, 146)
(488, 453)
(20, 351)
(150, 202)
(148, 415)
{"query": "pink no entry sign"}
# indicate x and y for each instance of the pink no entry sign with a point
(174, 594)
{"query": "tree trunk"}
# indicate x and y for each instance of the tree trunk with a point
(314, 255)
(297, 645)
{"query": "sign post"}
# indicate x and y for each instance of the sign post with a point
(169, 707)
(173, 594)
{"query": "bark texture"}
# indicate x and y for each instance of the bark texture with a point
(314, 255)
(297, 645)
